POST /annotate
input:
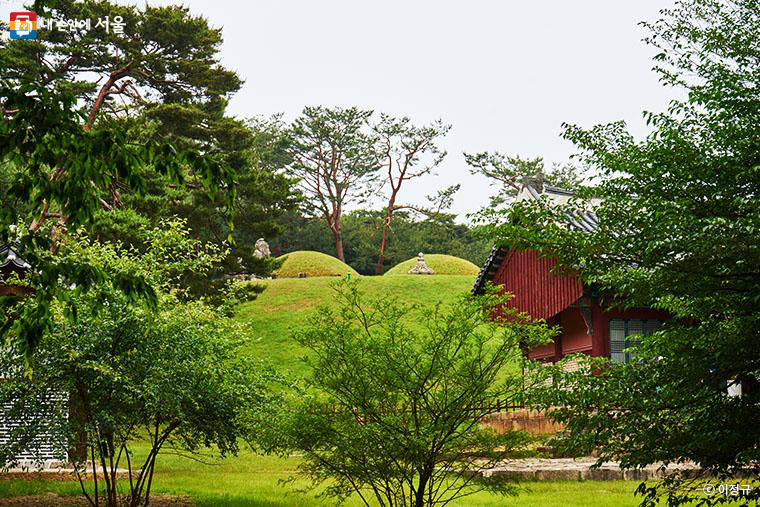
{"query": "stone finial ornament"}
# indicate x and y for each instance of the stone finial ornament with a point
(421, 268)
(262, 249)
(537, 182)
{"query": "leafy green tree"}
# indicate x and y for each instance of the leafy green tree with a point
(302, 232)
(407, 152)
(392, 410)
(67, 158)
(161, 79)
(334, 156)
(679, 216)
(264, 191)
(120, 375)
(88, 118)
(508, 173)
(163, 66)
(410, 234)
(263, 194)
(165, 62)
(65, 171)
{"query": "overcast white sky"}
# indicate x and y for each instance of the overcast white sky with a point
(506, 74)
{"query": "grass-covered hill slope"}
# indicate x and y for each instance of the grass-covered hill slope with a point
(287, 304)
(313, 264)
(441, 264)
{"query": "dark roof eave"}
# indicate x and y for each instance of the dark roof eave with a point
(489, 269)
(8, 256)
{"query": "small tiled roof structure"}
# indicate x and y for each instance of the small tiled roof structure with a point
(8, 256)
(535, 189)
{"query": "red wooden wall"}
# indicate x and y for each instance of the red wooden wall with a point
(573, 339)
(538, 292)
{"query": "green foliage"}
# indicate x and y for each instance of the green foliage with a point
(258, 151)
(62, 159)
(87, 144)
(291, 302)
(161, 79)
(234, 293)
(57, 164)
(440, 264)
(679, 217)
(167, 54)
(120, 375)
(164, 61)
(392, 414)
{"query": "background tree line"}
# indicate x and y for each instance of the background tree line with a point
(363, 231)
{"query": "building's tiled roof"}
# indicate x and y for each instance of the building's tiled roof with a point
(582, 220)
(8, 256)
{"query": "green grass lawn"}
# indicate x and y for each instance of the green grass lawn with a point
(253, 480)
(287, 303)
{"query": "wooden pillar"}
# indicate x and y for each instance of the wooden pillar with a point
(600, 340)
(558, 339)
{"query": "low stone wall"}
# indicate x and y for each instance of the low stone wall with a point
(532, 421)
(567, 469)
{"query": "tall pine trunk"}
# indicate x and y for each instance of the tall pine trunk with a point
(379, 268)
(339, 245)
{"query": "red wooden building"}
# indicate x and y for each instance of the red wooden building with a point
(588, 325)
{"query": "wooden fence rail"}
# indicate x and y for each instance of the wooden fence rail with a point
(495, 407)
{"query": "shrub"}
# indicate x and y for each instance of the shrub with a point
(393, 414)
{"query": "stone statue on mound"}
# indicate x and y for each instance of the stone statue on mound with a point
(421, 268)
(262, 249)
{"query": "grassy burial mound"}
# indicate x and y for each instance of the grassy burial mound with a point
(439, 263)
(312, 264)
